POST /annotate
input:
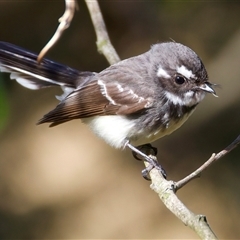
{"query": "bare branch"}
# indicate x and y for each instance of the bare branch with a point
(166, 192)
(207, 164)
(65, 21)
(104, 44)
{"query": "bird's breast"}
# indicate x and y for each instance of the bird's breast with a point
(162, 130)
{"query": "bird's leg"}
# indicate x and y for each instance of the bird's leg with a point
(142, 148)
(140, 155)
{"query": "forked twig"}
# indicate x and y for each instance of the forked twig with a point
(166, 192)
(65, 21)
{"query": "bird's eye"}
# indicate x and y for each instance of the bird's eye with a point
(179, 80)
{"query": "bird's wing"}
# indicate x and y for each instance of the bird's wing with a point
(101, 97)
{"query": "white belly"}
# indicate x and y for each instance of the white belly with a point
(113, 128)
(116, 130)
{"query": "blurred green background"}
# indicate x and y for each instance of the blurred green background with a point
(64, 183)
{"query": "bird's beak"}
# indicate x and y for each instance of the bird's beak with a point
(208, 87)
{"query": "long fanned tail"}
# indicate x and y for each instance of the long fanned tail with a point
(24, 68)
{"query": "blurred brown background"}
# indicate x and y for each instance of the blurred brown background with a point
(64, 183)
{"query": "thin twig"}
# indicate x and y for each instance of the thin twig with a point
(104, 44)
(207, 164)
(65, 21)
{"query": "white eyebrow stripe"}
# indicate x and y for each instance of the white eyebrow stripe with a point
(162, 73)
(185, 72)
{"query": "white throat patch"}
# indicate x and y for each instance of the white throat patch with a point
(188, 98)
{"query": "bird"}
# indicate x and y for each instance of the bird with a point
(131, 103)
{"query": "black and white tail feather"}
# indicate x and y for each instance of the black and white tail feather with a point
(24, 68)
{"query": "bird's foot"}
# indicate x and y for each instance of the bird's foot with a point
(139, 153)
